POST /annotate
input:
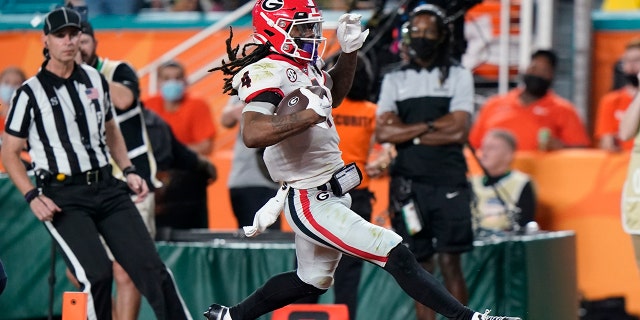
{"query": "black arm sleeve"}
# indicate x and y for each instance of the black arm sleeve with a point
(527, 205)
(268, 96)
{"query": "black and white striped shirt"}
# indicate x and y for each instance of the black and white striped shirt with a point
(63, 120)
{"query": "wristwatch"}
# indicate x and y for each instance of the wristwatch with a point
(128, 170)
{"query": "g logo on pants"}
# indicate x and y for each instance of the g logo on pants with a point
(324, 195)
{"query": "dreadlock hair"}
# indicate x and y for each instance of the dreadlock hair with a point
(442, 59)
(235, 64)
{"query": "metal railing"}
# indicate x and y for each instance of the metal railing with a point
(527, 41)
(151, 68)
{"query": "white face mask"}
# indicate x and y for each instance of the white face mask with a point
(6, 91)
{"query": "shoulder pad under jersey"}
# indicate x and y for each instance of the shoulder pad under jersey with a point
(257, 77)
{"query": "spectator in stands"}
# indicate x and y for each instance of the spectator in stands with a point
(182, 202)
(217, 5)
(613, 104)
(79, 6)
(504, 198)
(11, 78)
(113, 7)
(629, 128)
(155, 5)
(533, 113)
(250, 185)
(618, 80)
(222, 5)
(187, 5)
(189, 117)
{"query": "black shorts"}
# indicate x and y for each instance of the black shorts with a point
(446, 220)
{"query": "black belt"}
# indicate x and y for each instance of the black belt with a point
(86, 178)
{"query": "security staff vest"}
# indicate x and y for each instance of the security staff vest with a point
(631, 191)
(488, 211)
(134, 132)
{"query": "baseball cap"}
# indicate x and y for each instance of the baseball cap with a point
(61, 18)
(87, 28)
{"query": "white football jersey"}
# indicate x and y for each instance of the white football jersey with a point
(305, 160)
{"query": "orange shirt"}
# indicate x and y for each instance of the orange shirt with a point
(610, 110)
(355, 122)
(191, 122)
(525, 121)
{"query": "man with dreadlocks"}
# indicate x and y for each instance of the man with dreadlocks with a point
(425, 108)
(302, 153)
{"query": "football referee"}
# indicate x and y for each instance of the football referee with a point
(65, 116)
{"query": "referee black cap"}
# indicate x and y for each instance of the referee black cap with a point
(61, 18)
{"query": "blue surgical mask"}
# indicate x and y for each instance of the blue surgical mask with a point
(6, 91)
(172, 90)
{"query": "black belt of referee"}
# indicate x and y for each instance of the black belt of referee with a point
(86, 178)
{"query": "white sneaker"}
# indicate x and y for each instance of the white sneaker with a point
(486, 316)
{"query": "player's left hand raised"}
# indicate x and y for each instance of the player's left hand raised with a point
(349, 32)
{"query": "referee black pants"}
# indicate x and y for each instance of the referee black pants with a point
(106, 209)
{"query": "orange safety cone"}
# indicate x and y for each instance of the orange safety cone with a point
(74, 305)
(312, 312)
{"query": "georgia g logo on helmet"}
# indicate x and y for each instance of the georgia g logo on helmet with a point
(272, 5)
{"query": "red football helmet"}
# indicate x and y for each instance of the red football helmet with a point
(292, 27)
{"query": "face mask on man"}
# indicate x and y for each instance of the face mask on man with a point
(172, 90)
(6, 91)
(536, 86)
(423, 48)
(632, 79)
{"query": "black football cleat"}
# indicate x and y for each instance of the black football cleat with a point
(217, 312)
(486, 316)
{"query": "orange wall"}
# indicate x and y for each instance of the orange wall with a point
(578, 190)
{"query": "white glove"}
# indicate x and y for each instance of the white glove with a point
(350, 34)
(322, 106)
(268, 214)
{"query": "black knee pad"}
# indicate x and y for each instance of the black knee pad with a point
(401, 260)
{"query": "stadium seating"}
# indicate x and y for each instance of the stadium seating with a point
(27, 6)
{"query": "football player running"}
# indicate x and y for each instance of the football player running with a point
(302, 153)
